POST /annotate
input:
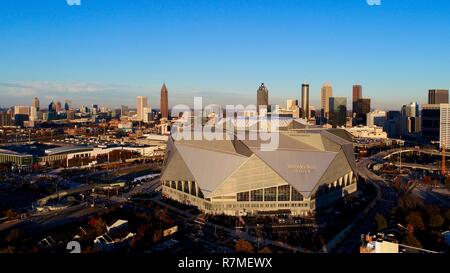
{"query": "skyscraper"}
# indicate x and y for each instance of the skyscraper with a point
(376, 118)
(33, 113)
(444, 126)
(124, 111)
(5, 119)
(411, 122)
(68, 105)
(360, 110)
(431, 114)
(52, 107)
(357, 94)
(262, 98)
(58, 106)
(35, 103)
(437, 96)
(142, 102)
(338, 111)
(164, 102)
(291, 104)
(21, 110)
(305, 101)
(327, 92)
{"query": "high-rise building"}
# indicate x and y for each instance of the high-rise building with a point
(35, 103)
(52, 107)
(124, 111)
(411, 122)
(393, 124)
(444, 126)
(58, 106)
(142, 102)
(376, 118)
(68, 105)
(70, 114)
(148, 115)
(306, 114)
(437, 96)
(357, 94)
(164, 102)
(431, 115)
(20, 119)
(338, 111)
(327, 92)
(5, 119)
(291, 104)
(22, 110)
(360, 110)
(262, 98)
(33, 113)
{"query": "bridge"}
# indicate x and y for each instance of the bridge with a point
(86, 188)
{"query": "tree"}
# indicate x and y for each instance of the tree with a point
(13, 236)
(243, 246)
(436, 221)
(266, 250)
(10, 214)
(381, 222)
(415, 219)
(411, 240)
(97, 225)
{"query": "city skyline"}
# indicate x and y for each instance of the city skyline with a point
(198, 52)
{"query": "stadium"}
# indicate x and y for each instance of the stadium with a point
(310, 169)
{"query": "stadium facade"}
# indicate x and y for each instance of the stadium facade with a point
(310, 169)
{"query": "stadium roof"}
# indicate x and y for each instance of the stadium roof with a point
(304, 159)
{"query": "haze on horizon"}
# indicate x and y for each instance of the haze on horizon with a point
(109, 52)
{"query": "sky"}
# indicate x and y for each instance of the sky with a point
(108, 52)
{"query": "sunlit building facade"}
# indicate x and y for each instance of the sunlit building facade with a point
(309, 170)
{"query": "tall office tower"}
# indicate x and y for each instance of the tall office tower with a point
(164, 106)
(437, 96)
(124, 111)
(142, 102)
(392, 125)
(357, 94)
(70, 114)
(411, 110)
(306, 114)
(444, 126)
(35, 103)
(431, 114)
(52, 107)
(58, 106)
(262, 98)
(360, 110)
(5, 119)
(68, 105)
(148, 115)
(376, 118)
(33, 113)
(21, 110)
(327, 92)
(338, 111)
(411, 122)
(291, 104)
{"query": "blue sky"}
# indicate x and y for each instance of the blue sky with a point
(109, 51)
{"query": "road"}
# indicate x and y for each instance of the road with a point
(232, 233)
(385, 200)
